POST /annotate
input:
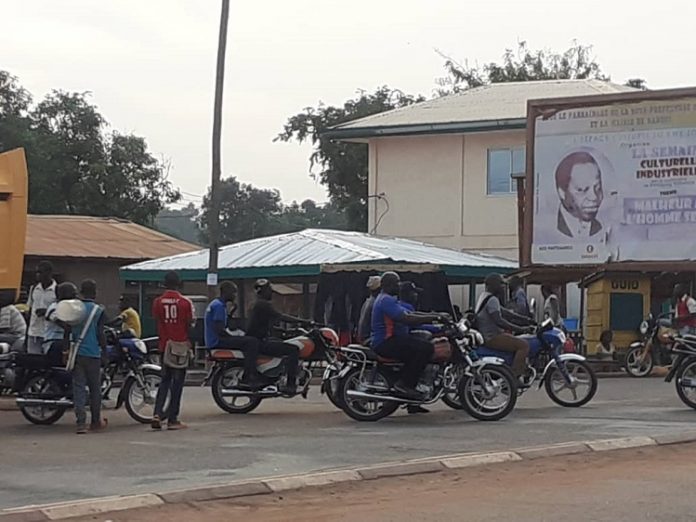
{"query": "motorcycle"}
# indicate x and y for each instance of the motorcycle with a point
(557, 371)
(315, 346)
(485, 387)
(46, 390)
(683, 370)
(654, 347)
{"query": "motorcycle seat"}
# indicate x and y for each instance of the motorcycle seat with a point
(374, 356)
(221, 354)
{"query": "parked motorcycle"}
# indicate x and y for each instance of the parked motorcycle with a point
(653, 348)
(567, 377)
(485, 387)
(46, 390)
(315, 346)
(683, 371)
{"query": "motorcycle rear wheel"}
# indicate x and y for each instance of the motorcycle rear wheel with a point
(687, 394)
(474, 398)
(226, 378)
(361, 409)
(42, 415)
(633, 365)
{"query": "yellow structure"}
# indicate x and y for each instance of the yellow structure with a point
(13, 221)
(616, 302)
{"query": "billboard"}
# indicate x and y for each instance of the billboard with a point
(615, 182)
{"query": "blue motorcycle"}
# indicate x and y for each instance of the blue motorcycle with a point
(567, 377)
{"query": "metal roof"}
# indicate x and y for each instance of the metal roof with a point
(490, 107)
(97, 238)
(311, 251)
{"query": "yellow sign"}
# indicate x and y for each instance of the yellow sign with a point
(13, 221)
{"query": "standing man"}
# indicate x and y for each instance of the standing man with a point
(41, 296)
(91, 343)
(365, 323)
(685, 310)
(174, 316)
(518, 297)
(217, 335)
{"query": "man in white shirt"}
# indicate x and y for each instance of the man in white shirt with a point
(41, 296)
(579, 187)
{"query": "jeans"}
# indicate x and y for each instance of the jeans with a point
(277, 348)
(246, 344)
(414, 352)
(87, 374)
(173, 385)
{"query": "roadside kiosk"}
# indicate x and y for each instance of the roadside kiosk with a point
(617, 302)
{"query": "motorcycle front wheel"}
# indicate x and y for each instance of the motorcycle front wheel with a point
(365, 410)
(229, 378)
(635, 367)
(42, 415)
(140, 402)
(581, 390)
(686, 384)
(490, 395)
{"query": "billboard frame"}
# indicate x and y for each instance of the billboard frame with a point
(550, 106)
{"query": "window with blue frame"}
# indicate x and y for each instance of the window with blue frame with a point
(502, 163)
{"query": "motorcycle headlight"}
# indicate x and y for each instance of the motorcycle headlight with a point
(644, 327)
(141, 346)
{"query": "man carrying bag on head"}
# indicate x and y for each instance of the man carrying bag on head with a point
(174, 315)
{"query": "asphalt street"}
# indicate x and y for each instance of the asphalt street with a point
(49, 464)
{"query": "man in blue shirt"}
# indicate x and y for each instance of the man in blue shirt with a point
(408, 298)
(391, 336)
(217, 335)
(87, 370)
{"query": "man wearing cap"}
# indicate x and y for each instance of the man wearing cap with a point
(365, 323)
(494, 324)
(262, 317)
(391, 338)
(408, 298)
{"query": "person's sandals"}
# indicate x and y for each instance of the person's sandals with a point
(156, 423)
(99, 427)
(175, 426)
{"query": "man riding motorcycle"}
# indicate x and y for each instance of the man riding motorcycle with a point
(391, 337)
(262, 317)
(494, 321)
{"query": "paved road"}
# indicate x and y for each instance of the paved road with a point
(48, 464)
(653, 484)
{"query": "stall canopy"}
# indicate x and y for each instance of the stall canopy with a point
(314, 252)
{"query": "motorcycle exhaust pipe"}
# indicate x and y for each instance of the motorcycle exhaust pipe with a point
(32, 403)
(374, 397)
(225, 392)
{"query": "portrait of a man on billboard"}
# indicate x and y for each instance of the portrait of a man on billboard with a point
(580, 191)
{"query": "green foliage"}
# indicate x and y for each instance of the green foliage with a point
(180, 223)
(522, 65)
(340, 166)
(76, 166)
(247, 212)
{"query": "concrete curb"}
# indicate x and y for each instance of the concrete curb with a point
(270, 485)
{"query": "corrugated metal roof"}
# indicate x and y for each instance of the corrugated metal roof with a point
(97, 237)
(321, 247)
(498, 101)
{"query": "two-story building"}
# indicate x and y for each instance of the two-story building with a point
(440, 171)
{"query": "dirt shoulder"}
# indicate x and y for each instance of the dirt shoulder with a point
(644, 484)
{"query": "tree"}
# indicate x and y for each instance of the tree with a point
(180, 223)
(76, 166)
(637, 83)
(246, 212)
(522, 65)
(342, 167)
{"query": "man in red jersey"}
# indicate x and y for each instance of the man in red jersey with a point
(174, 316)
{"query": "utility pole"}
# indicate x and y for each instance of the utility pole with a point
(214, 210)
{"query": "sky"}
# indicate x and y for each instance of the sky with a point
(150, 65)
